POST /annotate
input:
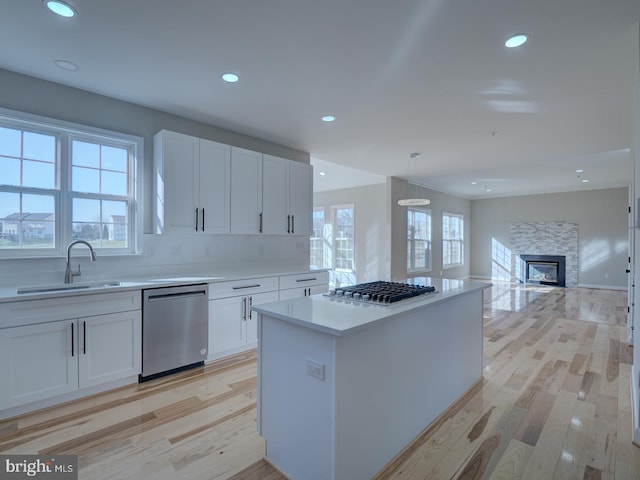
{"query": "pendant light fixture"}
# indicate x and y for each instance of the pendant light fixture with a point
(416, 200)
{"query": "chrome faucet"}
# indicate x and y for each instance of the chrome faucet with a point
(69, 274)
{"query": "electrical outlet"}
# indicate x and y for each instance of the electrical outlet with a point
(315, 369)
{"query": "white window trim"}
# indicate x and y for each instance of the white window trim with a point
(53, 125)
(332, 212)
(414, 271)
(446, 266)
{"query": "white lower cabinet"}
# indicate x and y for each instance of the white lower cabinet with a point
(48, 359)
(111, 347)
(37, 362)
(303, 284)
(232, 325)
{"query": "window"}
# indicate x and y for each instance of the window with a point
(317, 243)
(61, 182)
(418, 240)
(343, 238)
(332, 244)
(452, 239)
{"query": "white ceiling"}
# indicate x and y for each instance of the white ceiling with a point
(429, 76)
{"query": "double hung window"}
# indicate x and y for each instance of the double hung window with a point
(452, 239)
(418, 240)
(61, 182)
(333, 244)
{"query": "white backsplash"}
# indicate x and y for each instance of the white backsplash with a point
(169, 255)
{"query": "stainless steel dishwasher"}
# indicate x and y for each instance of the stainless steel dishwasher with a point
(175, 329)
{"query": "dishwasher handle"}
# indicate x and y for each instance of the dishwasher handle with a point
(167, 296)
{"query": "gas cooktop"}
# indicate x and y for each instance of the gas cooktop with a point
(381, 292)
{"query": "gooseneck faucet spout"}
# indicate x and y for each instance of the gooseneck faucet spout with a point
(69, 274)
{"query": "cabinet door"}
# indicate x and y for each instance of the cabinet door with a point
(214, 186)
(110, 347)
(251, 336)
(275, 196)
(38, 362)
(176, 181)
(246, 190)
(226, 324)
(301, 198)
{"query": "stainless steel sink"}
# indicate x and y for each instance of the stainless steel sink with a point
(66, 287)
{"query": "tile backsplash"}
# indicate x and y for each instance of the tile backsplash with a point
(168, 254)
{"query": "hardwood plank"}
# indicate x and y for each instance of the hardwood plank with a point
(513, 462)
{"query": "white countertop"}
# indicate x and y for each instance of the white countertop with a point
(10, 294)
(340, 316)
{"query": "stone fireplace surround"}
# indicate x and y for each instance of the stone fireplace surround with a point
(559, 238)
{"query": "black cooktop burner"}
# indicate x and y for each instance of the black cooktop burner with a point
(381, 292)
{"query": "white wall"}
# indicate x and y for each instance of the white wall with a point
(602, 217)
(165, 253)
(371, 237)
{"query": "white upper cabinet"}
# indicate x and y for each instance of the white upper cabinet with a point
(286, 197)
(214, 183)
(300, 198)
(207, 187)
(192, 191)
(246, 191)
(275, 196)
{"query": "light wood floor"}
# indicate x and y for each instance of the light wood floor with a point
(555, 403)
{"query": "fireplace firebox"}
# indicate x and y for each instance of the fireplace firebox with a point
(543, 269)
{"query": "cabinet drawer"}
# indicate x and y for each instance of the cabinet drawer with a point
(242, 287)
(304, 280)
(29, 312)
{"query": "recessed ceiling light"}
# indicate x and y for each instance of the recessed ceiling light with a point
(328, 118)
(474, 183)
(487, 189)
(322, 173)
(585, 180)
(579, 170)
(66, 65)
(516, 40)
(230, 77)
(61, 8)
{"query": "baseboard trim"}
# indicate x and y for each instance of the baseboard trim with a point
(601, 287)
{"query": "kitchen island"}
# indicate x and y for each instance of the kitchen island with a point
(344, 386)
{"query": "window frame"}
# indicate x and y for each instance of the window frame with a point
(334, 221)
(427, 268)
(318, 239)
(65, 132)
(459, 240)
